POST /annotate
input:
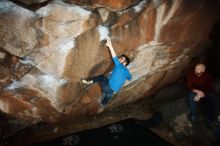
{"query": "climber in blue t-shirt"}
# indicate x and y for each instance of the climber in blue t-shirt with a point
(114, 82)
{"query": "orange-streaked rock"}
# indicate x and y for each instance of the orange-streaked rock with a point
(160, 37)
(111, 4)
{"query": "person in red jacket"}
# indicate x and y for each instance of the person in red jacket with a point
(199, 84)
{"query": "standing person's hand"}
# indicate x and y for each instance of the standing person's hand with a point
(196, 98)
(199, 93)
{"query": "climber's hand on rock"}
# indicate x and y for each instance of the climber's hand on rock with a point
(108, 43)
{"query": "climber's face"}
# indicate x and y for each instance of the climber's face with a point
(199, 69)
(122, 60)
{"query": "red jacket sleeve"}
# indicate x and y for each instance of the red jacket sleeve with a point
(209, 83)
(189, 81)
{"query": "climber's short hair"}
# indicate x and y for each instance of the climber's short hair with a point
(127, 60)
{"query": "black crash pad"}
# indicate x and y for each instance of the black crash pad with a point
(129, 132)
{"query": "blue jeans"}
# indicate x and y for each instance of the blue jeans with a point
(107, 92)
(192, 105)
(217, 134)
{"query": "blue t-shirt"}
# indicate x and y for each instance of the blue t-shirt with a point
(118, 76)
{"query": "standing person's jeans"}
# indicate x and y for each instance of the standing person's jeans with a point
(107, 92)
(217, 134)
(192, 105)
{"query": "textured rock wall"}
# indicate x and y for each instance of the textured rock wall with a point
(51, 48)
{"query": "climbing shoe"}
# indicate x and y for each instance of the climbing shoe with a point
(86, 83)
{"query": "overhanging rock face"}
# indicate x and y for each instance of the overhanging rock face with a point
(18, 35)
(65, 40)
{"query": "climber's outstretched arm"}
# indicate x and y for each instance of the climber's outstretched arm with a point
(109, 44)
